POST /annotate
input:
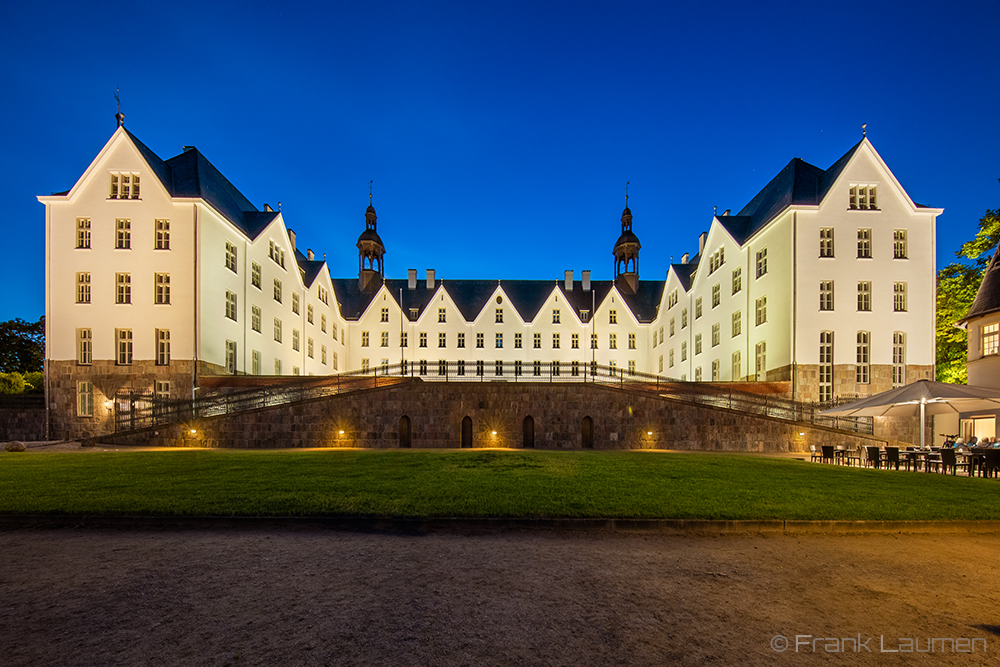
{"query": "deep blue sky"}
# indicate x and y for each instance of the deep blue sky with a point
(499, 135)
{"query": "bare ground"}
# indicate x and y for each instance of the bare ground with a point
(301, 596)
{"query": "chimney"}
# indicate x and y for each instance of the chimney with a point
(412, 284)
(569, 281)
(586, 280)
(726, 212)
(267, 208)
(430, 278)
(701, 242)
(684, 258)
(291, 238)
(310, 255)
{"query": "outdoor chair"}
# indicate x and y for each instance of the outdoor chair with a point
(814, 453)
(949, 459)
(828, 453)
(873, 457)
(892, 458)
(991, 463)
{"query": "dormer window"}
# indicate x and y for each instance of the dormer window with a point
(124, 185)
(863, 197)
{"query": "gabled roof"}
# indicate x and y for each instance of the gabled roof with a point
(684, 273)
(738, 226)
(988, 297)
(192, 175)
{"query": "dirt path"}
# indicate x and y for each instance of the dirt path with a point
(316, 597)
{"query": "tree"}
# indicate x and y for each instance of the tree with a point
(22, 346)
(956, 289)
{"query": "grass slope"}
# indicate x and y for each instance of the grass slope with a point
(480, 484)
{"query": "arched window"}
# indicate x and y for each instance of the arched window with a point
(587, 431)
(404, 431)
(529, 432)
(467, 432)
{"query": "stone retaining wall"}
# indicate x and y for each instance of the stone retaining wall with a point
(498, 411)
(22, 424)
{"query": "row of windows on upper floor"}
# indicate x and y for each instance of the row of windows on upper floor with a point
(718, 258)
(498, 340)
(500, 368)
(498, 315)
(826, 303)
(123, 350)
(123, 234)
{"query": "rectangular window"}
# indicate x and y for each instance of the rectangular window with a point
(863, 368)
(672, 299)
(864, 243)
(255, 362)
(83, 233)
(670, 358)
(295, 303)
(697, 344)
(255, 318)
(593, 341)
(277, 331)
(554, 368)
(323, 295)
(697, 308)
(162, 287)
(864, 296)
(461, 340)
(826, 242)
(715, 334)
(403, 342)
(661, 330)
(612, 342)
(365, 366)
(442, 339)
(990, 336)
(715, 370)
(761, 262)
(124, 185)
(384, 342)
(761, 354)
(85, 399)
(737, 323)
(612, 316)
(162, 347)
(442, 367)
(384, 315)
(124, 338)
(697, 374)
(333, 360)
(761, 310)
(161, 240)
(684, 318)
(442, 314)
(631, 341)
(322, 326)
(631, 366)
(537, 341)
(364, 339)
(661, 363)
(231, 305)
(899, 244)
(555, 316)
(322, 354)
(83, 287)
(461, 367)
(309, 347)
(277, 290)
(716, 261)
(899, 297)
(555, 341)
(826, 295)
(123, 291)
(898, 359)
(499, 340)
(863, 197)
(255, 274)
(575, 369)
(584, 316)
(161, 390)
(498, 368)
(518, 368)
(480, 340)
(716, 294)
(499, 316)
(277, 253)
(536, 368)
(123, 238)
(231, 357)
(517, 341)
(737, 279)
(480, 368)
(309, 313)
(231, 257)
(384, 366)
(277, 366)
(84, 347)
(825, 366)
(737, 366)
(684, 350)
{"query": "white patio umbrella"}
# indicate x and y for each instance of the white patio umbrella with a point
(922, 398)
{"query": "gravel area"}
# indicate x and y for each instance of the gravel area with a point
(309, 596)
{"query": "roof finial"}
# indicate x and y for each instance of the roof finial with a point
(626, 193)
(279, 207)
(119, 116)
(864, 130)
(715, 211)
(370, 191)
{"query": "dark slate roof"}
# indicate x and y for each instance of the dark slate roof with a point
(684, 273)
(988, 297)
(738, 226)
(190, 174)
(799, 183)
(310, 269)
(628, 236)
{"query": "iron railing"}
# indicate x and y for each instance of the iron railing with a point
(136, 410)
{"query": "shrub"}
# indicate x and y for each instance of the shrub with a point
(34, 382)
(11, 383)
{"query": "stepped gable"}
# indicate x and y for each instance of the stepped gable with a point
(988, 297)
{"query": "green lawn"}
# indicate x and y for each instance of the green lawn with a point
(649, 485)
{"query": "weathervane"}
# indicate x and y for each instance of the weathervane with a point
(864, 131)
(626, 193)
(370, 191)
(119, 116)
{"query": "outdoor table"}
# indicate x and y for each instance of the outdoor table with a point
(976, 460)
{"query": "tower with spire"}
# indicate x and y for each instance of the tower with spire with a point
(370, 251)
(626, 252)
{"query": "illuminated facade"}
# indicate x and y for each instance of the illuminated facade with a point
(161, 272)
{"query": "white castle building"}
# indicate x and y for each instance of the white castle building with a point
(161, 273)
